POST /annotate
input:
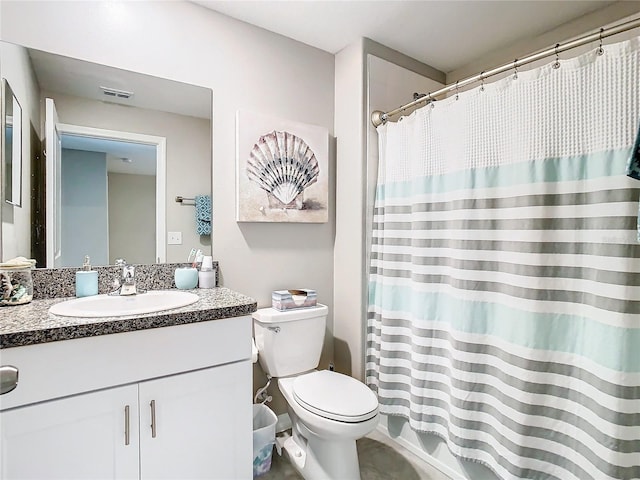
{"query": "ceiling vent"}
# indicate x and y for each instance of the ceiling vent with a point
(114, 92)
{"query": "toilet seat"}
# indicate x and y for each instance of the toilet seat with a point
(335, 396)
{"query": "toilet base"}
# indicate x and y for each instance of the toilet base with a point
(317, 459)
(321, 448)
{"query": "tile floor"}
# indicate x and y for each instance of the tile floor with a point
(380, 459)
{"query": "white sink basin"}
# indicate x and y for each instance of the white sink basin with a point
(120, 305)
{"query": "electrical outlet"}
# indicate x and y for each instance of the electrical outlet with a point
(174, 238)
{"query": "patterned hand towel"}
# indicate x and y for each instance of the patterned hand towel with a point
(203, 214)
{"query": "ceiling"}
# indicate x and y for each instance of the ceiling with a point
(444, 34)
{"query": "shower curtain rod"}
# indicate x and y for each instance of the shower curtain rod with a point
(378, 117)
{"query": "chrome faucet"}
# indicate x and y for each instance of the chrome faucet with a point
(127, 286)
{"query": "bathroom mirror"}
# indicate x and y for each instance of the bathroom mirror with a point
(172, 118)
(12, 150)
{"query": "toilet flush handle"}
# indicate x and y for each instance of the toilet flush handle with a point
(274, 329)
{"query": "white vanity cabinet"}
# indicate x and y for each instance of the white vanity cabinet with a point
(80, 437)
(196, 420)
(163, 403)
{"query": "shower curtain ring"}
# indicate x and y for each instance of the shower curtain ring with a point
(457, 91)
(482, 81)
(515, 69)
(600, 50)
(556, 64)
(431, 101)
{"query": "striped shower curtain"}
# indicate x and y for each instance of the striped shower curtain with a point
(504, 292)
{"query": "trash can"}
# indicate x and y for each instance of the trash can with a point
(264, 437)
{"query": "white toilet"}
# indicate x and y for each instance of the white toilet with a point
(329, 411)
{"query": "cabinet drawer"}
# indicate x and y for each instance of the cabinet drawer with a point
(58, 369)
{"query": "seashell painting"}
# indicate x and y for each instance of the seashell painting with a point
(283, 165)
(282, 170)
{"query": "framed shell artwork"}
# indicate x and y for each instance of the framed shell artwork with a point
(281, 170)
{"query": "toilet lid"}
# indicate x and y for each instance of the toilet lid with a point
(335, 396)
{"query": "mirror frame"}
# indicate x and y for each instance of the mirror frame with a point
(11, 165)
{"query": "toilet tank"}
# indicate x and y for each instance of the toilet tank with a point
(289, 342)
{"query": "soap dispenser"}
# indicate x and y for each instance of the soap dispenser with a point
(86, 280)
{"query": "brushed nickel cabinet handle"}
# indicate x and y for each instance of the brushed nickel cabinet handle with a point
(127, 431)
(8, 378)
(153, 419)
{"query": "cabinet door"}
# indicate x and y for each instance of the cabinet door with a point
(202, 423)
(80, 437)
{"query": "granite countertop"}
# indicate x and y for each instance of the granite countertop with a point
(32, 323)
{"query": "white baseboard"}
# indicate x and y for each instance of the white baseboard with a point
(284, 423)
(418, 452)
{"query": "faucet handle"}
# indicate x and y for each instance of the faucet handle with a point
(128, 273)
(120, 262)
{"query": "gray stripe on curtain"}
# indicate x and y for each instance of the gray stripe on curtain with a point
(552, 271)
(609, 223)
(565, 248)
(539, 200)
(611, 416)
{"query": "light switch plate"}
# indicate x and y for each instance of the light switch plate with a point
(174, 238)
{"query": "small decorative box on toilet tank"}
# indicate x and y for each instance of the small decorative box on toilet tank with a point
(290, 299)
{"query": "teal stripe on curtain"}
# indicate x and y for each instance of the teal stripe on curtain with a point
(582, 167)
(608, 345)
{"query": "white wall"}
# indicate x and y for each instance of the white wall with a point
(132, 217)
(84, 216)
(16, 221)
(247, 68)
(188, 151)
(348, 260)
